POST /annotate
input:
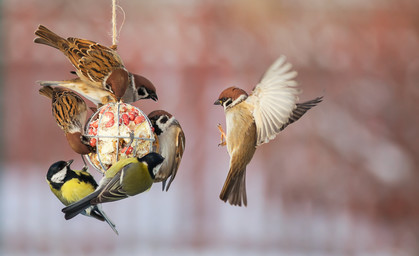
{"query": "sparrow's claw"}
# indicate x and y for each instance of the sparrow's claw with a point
(222, 143)
(223, 136)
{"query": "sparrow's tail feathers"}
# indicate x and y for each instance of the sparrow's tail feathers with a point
(49, 38)
(74, 209)
(234, 189)
(47, 91)
(73, 84)
(56, 83)
(97, 209)
(301, 109)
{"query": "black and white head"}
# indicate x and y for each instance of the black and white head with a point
(57, 173)
(153, 162)
(144, 88)
(230, 97)
(161, 120)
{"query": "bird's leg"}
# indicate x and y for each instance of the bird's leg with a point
(85, 165)
(223, 136)
(131, 138)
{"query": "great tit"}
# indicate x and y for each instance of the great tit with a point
(128, 177)
(70, 186)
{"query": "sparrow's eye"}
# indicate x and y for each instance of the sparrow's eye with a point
(142, 91)
(108, 86)
(163, 119)
(227, 101)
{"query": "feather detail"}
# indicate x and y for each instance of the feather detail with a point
(273, 99)
(301, 109)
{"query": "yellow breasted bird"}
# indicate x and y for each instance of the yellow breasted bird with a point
(70, 186)
(128, 177)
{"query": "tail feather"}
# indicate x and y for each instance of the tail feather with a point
(55, 83)
(49, 38)
(91, 211)
(74, 209)
(47, 91)
(95, 211)
(73, 84)
(98, 210)
(234, 189)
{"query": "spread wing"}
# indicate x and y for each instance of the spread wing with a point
(274, 99)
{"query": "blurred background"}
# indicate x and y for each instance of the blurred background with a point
(343, 180)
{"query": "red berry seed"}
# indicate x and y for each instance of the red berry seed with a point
(139, 119)
(129, 150)
(93, 142)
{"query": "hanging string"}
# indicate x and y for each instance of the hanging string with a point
(115, 32)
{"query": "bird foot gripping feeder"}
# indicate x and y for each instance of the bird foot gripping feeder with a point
(118, 131)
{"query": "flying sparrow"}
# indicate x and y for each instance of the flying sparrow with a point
(172, 144)
(256, 119)
(96, 65)
(69, 111)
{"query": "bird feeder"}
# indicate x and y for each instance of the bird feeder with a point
(118, 131)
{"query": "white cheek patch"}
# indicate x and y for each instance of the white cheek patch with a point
(59, 176)
(235, 102)
(226, 102)
(143, 93)
(156, 169)
(165, 126)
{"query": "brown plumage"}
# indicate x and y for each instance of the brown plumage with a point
(96, 95)
(172, 145)
(69, 111)
(256, 119)
(139, 88)
(241, 141)
(96, 65)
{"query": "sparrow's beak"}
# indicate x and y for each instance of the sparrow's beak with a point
(154, 97)
(218, 102)
(69, 162)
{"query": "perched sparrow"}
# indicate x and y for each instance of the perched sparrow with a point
(69, 111)
(172, 144)
(128, 177)
(70, 186)
(139, 88)
(96, 65)
(256, 119)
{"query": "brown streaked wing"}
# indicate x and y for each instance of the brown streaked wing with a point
(93, 60)
(66, 105)
(180, 148)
